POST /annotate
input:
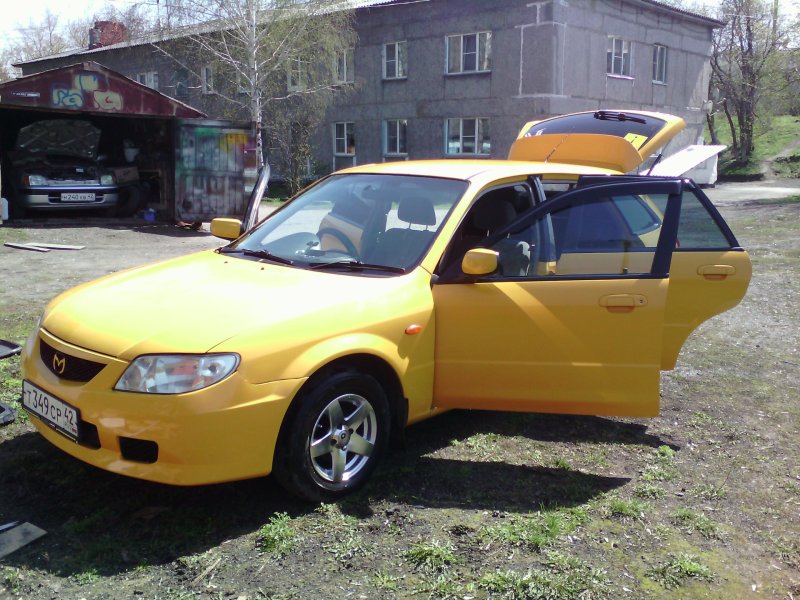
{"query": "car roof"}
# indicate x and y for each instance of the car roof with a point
(479, 170)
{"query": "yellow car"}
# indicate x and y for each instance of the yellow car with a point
(382, 295)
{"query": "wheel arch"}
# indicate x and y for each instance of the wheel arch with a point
(368, 364)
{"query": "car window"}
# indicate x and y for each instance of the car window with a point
(641, 218)
(605, 236)
(387, 220)
(697, 229)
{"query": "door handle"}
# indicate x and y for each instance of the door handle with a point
(623, 302)
(716, 272)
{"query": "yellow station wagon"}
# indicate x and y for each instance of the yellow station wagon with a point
(384, 294)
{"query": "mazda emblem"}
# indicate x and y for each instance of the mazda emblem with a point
(59, 363)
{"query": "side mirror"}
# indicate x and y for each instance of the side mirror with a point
(227, 229)
(480, 261)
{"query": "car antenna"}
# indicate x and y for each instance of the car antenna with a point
(655, 162)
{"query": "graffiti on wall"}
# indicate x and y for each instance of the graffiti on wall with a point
(86, 91)
(212, 164)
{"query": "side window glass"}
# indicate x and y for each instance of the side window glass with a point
(608, 236)
(697, 229)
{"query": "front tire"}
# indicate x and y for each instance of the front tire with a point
(334, 436)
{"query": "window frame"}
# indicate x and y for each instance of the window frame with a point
(398, 151)
(483, 41)
(400, 60)
(478, 121)
(296, 70)
(344, 64)
(348, 127)
(626, 52)
(148, 79)
(660, 63)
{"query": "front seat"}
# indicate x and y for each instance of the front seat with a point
(401, 246)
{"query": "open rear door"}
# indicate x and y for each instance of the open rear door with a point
(215, 169)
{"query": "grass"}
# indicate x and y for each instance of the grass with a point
(660, 465)
(674, 572)
(563, 578)
(649, 490)
(621, 508)
(431, 556)
(692, 521)
(278, 537)
(771, 136)
(536, 531)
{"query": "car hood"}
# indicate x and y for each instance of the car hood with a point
(195, 303)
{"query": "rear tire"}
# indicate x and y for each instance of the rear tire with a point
(333, 436)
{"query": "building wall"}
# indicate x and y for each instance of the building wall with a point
(548, 58)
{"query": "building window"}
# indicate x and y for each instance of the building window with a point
(659, 64)
(395, 60)
(618, 57)
(395, 137)
(296, 70)
(469, 53)
(150, 79)
(181, 79)
(207, 79)
(344, 141)
(468, 136)
(344, 67)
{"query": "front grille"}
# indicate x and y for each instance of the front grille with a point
(66, 366)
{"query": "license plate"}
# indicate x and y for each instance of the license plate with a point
(77, 197)
(56, 413)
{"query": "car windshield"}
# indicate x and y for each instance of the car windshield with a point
(62, 137)
(356, 222)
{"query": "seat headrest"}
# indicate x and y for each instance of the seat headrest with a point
(491, 215)
(417, 211)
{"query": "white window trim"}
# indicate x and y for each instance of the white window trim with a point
(625, 44)
(396, 60)
(386, 152)
(461, 137)
(656, 53)
(207, 79)
(349, 67)
(461, 70)
(347, 125)
(295, 66)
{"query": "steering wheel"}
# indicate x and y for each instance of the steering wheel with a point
(349, 247)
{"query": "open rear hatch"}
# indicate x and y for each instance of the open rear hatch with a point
(608, 139)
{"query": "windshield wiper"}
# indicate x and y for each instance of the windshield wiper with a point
(266, 255)
(356, 265)
(607, 115)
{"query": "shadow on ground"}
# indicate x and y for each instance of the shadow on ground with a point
(97, 520)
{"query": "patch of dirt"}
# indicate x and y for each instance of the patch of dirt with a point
(474, 505)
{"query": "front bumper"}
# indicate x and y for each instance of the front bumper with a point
(53, 197)
(222, 433)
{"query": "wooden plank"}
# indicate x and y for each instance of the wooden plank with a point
(25, 247)
(55, 246)
(15, 538)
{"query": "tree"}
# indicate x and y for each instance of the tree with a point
(747, 63)
(279, 60)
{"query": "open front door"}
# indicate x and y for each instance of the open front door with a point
(580, 329)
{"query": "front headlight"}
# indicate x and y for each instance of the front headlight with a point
(107, 179)
(176, 373)
(35, 180)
